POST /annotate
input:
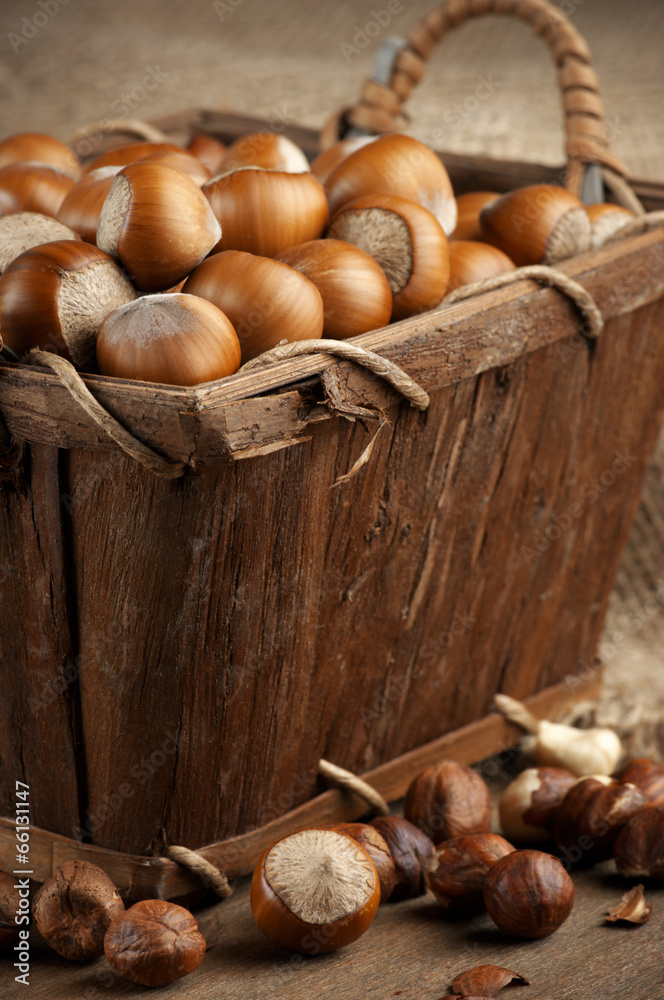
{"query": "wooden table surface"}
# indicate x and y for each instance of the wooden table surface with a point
(411, 951)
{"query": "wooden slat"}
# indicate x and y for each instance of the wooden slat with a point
(436, 348)
(144, 877)
(39, 666)
(292, 620)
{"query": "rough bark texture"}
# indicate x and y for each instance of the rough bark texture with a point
(195, 646)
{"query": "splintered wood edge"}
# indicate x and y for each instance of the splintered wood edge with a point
(145, 878)
(248, 414)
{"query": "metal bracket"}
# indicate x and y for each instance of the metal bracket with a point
(592, 186)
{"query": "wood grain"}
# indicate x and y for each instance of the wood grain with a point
(157, 877)
(229, 629)
(236, 626)
(38, 712)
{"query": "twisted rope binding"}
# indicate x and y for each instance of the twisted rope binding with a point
(375, 363)
(516, 712)
(72, 381)
(547, 276)
(346, 779)
(123, 126)
(197, 864)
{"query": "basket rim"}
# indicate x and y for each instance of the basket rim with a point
(253, 413)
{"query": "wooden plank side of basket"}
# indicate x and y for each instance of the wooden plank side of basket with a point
(177, 655)
(184, 652)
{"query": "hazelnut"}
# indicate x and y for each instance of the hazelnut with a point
(591, 815)
(458, 867)
(74, 908)
(639, 848)
(156, 221)
(406, 240)
(528, 894)
(55, 297)
(154, 942)
(647, 775)
(395, 165)
(376, 847)
(24, 230)
(528, 804)
(314, 891)
(411, 850)
(537, 224)
(449, 800)
(606, 220)
(9, 908)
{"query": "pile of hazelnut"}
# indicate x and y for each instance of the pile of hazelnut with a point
(80, 913)
(317, 890)
(173, 265)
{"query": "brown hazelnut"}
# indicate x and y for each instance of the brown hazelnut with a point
(314, 891)
(376, 847)
(639, 848)
(528, 804)
(647, 775)
(528, 894)
(9, 908)
(411, 850)
(591, 815)
(74, 908)
(154, 942)
(449, 800)
(458, 867)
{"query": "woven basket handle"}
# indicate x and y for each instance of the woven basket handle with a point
(85, 140)
(379, 107)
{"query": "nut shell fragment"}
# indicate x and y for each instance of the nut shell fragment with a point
(486, 980)
(632, 908)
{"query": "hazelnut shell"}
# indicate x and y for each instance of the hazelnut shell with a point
(314, 891)
(395, 165)
(74, 908)
(375, 845)
(265, 300)
(34, 187)
(591, 815)
(449, 800)
(537, 224)
(646, 774)
(174, 339)
(528, 894)
(55, 297)
(355, 292)
(265, 212)
(154, 943)
(408, 243)
(458, 868)
(38, 147)
(639, 847)
(411, 851)
(157, 223)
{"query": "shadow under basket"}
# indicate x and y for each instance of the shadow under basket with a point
(178, 654)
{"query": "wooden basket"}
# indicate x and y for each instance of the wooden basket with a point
(178, 654)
